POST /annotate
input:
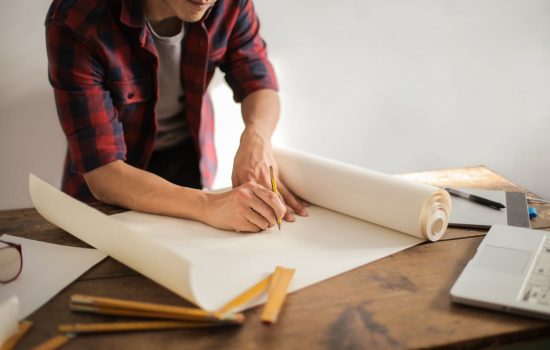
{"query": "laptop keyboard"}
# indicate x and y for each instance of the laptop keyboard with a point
(537, 289)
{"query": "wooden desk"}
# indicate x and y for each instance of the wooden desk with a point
(401, 301)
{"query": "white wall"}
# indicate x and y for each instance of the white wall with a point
(393, 85)
(30, 135)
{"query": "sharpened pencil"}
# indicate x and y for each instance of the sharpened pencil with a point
(55, 342)
(228, 318)
(102, 305)
(244, 297)
(274, 189)
(12, 341)
(77, 328)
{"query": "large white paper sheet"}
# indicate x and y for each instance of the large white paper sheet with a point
(209, 266)
(47, 269)
(111, 237)
(223, 264)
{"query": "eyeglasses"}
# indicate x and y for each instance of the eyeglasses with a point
(11, 261)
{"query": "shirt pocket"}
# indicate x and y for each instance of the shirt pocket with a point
(132, 91)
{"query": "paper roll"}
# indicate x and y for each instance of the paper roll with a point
(413, 208)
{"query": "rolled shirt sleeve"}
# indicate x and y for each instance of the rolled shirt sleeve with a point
(85, 108)
(245, 65)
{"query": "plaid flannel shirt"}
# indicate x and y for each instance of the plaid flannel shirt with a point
(103, 67)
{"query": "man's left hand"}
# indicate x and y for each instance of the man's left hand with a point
(252, 162)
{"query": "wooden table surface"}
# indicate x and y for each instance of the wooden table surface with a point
(401, 301)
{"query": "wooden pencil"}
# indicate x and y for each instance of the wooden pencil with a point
(137, 305)
(55, 342)
(107, 327)
(277, 293)
(244, 297)
(12, 341)
(102, 305)
(230, 318)
(274, 189)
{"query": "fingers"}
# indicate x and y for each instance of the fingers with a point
(297, 205)
(247, 226)
(268, 206)
(271, 207)
(288, 215)
(259, 222)
(258, 208)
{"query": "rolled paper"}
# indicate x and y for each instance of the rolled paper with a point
(387, 200)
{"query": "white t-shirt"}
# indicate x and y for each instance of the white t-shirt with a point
(172, 126)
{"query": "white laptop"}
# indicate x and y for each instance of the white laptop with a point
(509, 272)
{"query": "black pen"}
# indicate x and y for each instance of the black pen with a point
(477, 199)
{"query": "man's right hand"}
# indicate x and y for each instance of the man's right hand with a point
(247, 208)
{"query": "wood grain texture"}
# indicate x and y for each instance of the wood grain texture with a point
(401, 301)
(477, 177)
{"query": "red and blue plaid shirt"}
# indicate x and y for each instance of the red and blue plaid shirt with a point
(103, 66)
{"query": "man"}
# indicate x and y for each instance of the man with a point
(130, 81)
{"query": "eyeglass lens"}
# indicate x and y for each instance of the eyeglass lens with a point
(10, 262)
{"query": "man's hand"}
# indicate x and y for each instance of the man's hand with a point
(246, 208)
(260, 111)
(251, 164)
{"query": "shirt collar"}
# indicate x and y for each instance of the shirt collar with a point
(131, 13)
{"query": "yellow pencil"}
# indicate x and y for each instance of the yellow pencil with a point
(280, 281)
(55, 342)
(244, 297)
(102, 305)
(12, 341)
(274, 189)
(134, 326)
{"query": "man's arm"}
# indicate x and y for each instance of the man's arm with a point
(247, 208)
(260, 111)
(252, 79)
(97, 148)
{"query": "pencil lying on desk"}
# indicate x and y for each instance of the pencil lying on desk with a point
(276, 294)
(55, 342)
(12, 341)
(276, 285)
(244, 297)
(79, 328)
(120, 307)
(228, 318)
